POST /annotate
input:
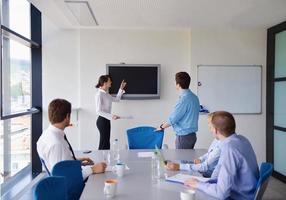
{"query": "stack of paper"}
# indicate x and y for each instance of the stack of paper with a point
(181, 178)
(145, 154)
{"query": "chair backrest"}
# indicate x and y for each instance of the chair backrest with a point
(265, 172)
(71, 170)
(51, 188)
(45, 166)
(144, 137)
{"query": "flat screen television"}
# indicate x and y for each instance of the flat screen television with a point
(143, 81)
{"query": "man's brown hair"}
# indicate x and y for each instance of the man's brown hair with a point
(224, 122)
(183, 79)
(58, 110)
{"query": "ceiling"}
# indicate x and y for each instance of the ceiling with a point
(194, 14)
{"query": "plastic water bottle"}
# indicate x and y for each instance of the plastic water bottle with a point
(155, 167)
(115, 147)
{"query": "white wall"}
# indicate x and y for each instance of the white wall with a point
(80, 58)
(99, 47)
(60, 49)
(234, 47)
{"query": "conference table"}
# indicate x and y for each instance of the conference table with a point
(137, 182)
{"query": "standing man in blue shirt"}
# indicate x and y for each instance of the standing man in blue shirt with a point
(237, 173)
(185, 116)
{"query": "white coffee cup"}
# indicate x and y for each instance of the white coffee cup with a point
(110, 187)
(188, 195)
(119, 169)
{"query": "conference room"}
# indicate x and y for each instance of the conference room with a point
(234, 52)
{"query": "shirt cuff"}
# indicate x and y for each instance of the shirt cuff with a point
(202, 186)
(185, 167)
(195, 167)
(86, 171)
(121, 91)
(169, 122)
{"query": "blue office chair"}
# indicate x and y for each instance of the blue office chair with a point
(266, 170)
(144, 137)
(71, 170)
(51, 188)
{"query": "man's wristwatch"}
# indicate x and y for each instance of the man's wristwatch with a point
(161, 127)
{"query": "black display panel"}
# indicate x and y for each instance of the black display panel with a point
(142, 80)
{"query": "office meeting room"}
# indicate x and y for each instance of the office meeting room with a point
(143, 99)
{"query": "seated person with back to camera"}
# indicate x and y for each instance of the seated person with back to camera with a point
(204, 164)
(236, 174)
(53, 145)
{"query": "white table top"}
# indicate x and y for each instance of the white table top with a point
(137, 182)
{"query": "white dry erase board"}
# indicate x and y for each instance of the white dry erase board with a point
(233, 88)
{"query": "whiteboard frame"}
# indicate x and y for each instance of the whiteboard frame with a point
(261, 76)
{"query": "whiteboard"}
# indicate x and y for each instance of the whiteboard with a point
(233, 88)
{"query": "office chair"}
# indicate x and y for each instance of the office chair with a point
(71, 170)
(144, 137)
(266, 170)
(51, 188)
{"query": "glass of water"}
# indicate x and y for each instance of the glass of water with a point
(106, 157)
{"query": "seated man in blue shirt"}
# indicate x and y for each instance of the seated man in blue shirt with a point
(237, 173)
(185, 116)
(204, 164)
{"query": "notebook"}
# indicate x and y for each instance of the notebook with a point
(181, 178)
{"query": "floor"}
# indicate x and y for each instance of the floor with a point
(276, 190)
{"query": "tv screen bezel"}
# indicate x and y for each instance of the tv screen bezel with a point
(139, 96)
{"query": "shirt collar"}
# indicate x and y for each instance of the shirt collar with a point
(101, 90)
(229, 138)
(184, 92)
(56, 130)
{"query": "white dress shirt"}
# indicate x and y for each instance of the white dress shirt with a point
(53, 148)
(208, 161)
(103, 102)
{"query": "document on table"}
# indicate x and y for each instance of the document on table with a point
(126, 117)
(181, 178)
(148, 154)
(110, 168)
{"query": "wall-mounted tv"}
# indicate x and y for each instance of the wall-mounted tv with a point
(143, 81)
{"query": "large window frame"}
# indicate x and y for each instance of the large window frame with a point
(35, 43)
(271, 80)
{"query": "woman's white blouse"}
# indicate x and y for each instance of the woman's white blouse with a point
(103, 102)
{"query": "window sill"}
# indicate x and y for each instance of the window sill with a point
(19, 184)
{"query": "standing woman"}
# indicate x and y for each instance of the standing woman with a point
(103, 103)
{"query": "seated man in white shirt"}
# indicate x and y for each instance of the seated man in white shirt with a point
(53, 145)
(204, 164)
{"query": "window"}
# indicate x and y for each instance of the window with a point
(21, 89)
(16, 77)
(276, 99)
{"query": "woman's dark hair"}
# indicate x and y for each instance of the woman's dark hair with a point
(102, 79)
